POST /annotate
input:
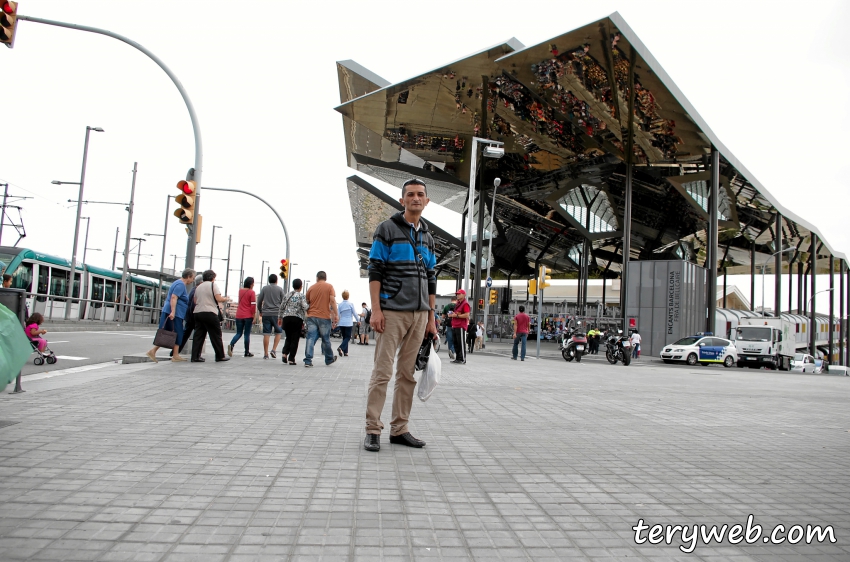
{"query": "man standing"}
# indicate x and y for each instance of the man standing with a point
(365, 317)
(450, 340)
(322, 317)
(521, 323)
(268, 305)
(403, 286)
(460, 321)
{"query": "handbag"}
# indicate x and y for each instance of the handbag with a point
(217, 304)
(165, 337)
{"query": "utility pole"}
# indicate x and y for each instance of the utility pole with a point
(115, 249)
(83, 288)
(139, 250)
(162, 261)
(227, 275)
(262, 266)
(242, 265)
(124, 272)
(212, 245)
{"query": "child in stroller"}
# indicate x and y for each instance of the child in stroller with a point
(39, 344)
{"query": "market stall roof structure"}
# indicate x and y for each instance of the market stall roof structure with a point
(564, 109)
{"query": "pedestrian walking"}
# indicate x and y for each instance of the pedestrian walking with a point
(365, 318)
(268, 303)
(245, 314)
(447, 323)
(479, 336)
(347, 318)
(635, 339)
(471, 331)
(174, 310)
(460, 321)
(403, 288)
(189, 324)
(521, 323)
(291, 319)
(322, 316)
(207, 321)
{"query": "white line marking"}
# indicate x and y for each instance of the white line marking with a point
(52, 342)
(72, 370)
(71, 358)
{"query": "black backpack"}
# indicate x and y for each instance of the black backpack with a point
(368, 316)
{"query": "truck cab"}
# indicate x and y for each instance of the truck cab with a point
(762, 343)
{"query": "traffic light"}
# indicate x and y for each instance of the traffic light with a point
(493, 296)
(544, 277)
(8, 22)
(480, 304)
(284, 269)
(185, 213)
(532, 286)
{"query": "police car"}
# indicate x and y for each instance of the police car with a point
(703, 348)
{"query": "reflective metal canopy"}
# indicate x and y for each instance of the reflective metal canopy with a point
(561, 108)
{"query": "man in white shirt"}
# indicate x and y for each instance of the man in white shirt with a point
(635, 339)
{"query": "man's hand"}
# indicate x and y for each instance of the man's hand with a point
(431, 329)
(280, 322)
(378, 322)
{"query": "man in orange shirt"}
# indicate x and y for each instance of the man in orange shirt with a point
(322, 317)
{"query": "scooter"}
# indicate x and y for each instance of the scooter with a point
(618, 347)
(573, 347)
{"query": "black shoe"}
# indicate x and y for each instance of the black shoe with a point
(407, 439)
(373, 443)
(248, 354)
(332, 362)
(339, 350)
(458, 362)
(222, 359)
(273, 354)
(201, 360)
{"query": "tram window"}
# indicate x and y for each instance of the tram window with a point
(143, 296)
(109, 292)
(77, 285)
(43, 280)
(22, 278)
(97, 287)
(58, 282)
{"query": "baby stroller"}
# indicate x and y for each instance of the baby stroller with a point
(46, 355)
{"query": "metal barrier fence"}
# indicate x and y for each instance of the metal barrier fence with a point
(500, 326)
(52, 307)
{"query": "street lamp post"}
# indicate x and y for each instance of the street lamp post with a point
(212, 247)
(496, 183)
(81, 183)
(763, 267)
(227, 274)
(262, 266)
(813, 327)
(473, 171)
(83, 288)
(139, 250)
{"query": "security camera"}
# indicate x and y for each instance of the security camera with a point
(493, 151)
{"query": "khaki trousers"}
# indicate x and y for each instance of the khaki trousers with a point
(403, 333)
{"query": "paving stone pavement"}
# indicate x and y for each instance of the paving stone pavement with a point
(536, 460)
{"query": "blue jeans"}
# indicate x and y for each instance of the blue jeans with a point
(450, 340)
(243, 326)
(346, 337)
(316, 328)
(519, 338)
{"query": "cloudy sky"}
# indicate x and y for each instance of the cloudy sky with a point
(769, 78)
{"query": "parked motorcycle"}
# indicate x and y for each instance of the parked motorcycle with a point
(573, 347)
(618, 347)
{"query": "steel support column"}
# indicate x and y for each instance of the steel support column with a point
(800, 287)
(477, 289)
(831, 306)
(790, 282)
(627, 211)
(753, 276)
(813, 266)
(777, 267)
(714, 199)
(842, 356)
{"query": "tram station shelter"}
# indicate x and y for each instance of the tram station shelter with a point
(605, 162)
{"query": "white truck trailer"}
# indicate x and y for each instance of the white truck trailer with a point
(765, 342)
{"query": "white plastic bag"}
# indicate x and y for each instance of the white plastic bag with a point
(430, 378)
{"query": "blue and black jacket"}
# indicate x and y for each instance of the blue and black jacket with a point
(403, 260)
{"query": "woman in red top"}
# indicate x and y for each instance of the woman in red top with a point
(245, 313)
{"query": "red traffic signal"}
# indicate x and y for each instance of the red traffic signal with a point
(186, 212)
(8, 22)
(284, 269)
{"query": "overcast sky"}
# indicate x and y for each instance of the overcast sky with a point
(769, 78)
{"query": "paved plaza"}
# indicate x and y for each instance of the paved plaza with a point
(535, 460)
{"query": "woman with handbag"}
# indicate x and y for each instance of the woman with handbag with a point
(208, 318)
(173, 312)
(291, 318)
